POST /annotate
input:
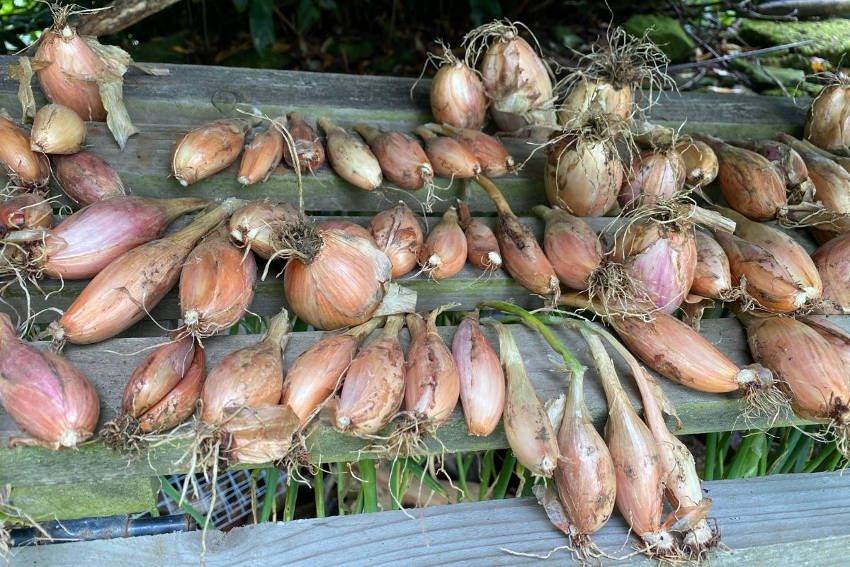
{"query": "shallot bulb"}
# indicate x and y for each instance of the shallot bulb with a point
(373, 389)
(402, 159)
(216, 285)
(828, 119)
(516, 80)
(833, 264)
(457, 94)
(780, 276)
(521, 253)
(86, 242)
(570, 245)
(87, 178)
(701, 165)
(596, 95)
(482, 247)
(809, 369)
(654, 176)
(494, 159)
(787, 161)
(47, 397)
(131, 285)
(318, 371)
(23, 212)
(661, 258)
(482, 380)
(432, 383)
(444, 252)
(261, 156)
(258, 435)
(749, 182)
(57, 129)
(831, 181)
(712, 275)
(308, 147)
(208, 149)
(258, 224)
(23, 166)
(165, 388)
(834, 335)
(637, 464)
(398, 234)
(351, 158)
(448, 156)
(249, 377)
(324, 259)
(527, 426)
(583, 174)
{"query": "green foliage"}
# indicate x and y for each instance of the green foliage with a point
(481, 11)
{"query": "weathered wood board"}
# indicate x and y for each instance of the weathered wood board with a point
(775, 520)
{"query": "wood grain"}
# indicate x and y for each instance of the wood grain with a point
(774, 520)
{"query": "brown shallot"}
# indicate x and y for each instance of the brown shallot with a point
(373, 389)
(656, 175)
(828, 120)
(457, 94)
(25, 211)
(482, 247)
(216, 285)
(527, 426)
(398, 234)
(257, 435)
(432, 383)
(132, 284)
(86, 242)
(712, 275)
(494, 159)
(208, 149)
(23, 166)
(831, 181)
(700, 161)
(570, 245)
(308, 147)
(482, 380)
(522, 255)
(57, 129)
(87, 178)
(833, 264)
(249, 377)
(260, 157)
(444, 252)
(448, 156)
(787, 161)
(402, 159)
(351, 158)
(258, 223)
(348, 227)
(318, 371)
(46, 396)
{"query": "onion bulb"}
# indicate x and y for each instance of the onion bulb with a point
(261, 156)
(308, 147)
(571, 246)
(482, 380)
(402, 159)
(398, 234)
(86, 178)
(57, 129)
(216, 285)
(448, 156)
(86, 242)
(700, 162)
(494, 159)
(46, 396)
(432, 383)
(132, 284)
(482, 247)
(23, 166)
(208, 149)
(373, 389)
(249, 377)
(457, 94)
(351, 158)
(779, 274)
(444, 252)
(828, 119)
(522, 255)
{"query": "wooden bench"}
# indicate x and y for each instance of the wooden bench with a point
(165, 107)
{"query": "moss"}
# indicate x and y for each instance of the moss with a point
(665, 32)
(831, 38)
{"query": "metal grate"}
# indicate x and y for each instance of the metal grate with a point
(233, 496)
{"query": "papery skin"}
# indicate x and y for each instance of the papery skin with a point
(828, 120)
(308, 147)
(260, 157)
(57, 129)
(700, 161)
(403, 161)
(180, 402)
(157, 374)
(833, 264)
(257, 224)
(432, 383)
(450, 159)
(570, 245)
(458, 97)
(22, 165)
(444, 252)
(397, 232)
(87, 178)
(482, 246)
(595, 95)
(583, 178)
(23, 212)
(351, 158)
(712, 276)
(482, 380)
(208, 149)
(494, 159)
(348, 227)
(258, 435)
(45, 395)
(654, 176)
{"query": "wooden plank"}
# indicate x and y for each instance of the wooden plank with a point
(110, 364)
(86, 499)
(773, 520)
(164, 107)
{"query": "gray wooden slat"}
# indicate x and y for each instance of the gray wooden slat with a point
(783, 520)
(110, 364)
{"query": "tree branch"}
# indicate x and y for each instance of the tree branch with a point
(121, 14)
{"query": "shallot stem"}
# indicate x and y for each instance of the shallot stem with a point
(502, 206)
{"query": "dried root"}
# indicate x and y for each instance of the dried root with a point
(761, 396)
(122, 434)
(612, 291)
